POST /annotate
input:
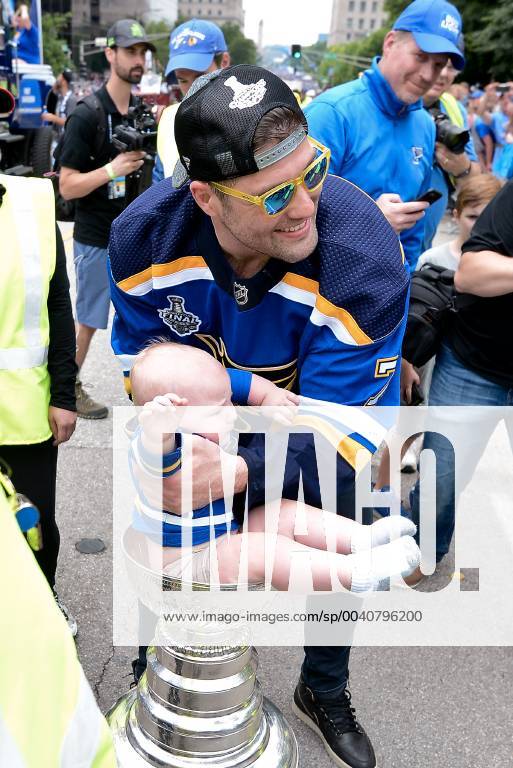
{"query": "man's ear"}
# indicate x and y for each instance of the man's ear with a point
(109, 54)
(388, 42)
(205, 197)
(225, 60)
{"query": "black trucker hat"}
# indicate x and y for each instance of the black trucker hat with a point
(216, 122)
(127, 32)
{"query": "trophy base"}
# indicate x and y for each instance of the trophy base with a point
(274, 745)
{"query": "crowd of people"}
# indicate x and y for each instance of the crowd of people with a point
(273, 242)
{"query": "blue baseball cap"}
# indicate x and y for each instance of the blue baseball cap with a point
(436, 26)
(194, 44)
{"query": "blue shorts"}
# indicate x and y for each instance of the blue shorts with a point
(93, 292)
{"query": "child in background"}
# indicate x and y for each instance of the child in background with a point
(165, 378)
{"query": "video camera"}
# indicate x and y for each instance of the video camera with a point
(138, 131)
(451, 136)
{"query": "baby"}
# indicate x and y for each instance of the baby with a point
(165, 378)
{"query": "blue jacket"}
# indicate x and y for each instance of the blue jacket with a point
(377, 142)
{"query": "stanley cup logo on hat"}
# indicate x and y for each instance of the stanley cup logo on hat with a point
(450, 24)
(246, 95)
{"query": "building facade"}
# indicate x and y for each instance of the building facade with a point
(219, 11)
(92, 18)
(354, 19)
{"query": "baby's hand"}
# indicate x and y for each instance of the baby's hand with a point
(160, 415)
(278, 396)
(284, 402)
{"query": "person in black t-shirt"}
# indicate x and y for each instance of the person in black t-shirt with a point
(95, 178)
(475, 364)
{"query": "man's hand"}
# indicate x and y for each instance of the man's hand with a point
(400, 215)
(62, 424)
(127, 162)
(409, 377)
(48, 117)
(450, 162)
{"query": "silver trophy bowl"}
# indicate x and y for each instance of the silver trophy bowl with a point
(199, 703)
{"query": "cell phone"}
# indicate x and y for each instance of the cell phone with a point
(502, 88)
(417, 395)
(431, 196)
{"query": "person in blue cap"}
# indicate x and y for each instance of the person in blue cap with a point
(195, 47)
(380, 137)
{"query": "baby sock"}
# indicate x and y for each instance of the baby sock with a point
(370, 567)
(381, 532)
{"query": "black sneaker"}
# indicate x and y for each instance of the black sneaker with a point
(334, 721)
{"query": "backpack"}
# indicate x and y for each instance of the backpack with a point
(65, 209)
(433, 304)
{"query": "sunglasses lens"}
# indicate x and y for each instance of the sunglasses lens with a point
(316, 174)
(278, 201)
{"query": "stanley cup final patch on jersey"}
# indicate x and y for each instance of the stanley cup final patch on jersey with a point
(177, 317)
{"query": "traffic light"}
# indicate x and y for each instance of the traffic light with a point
(295, 51)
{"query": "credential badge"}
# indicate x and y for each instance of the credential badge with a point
(178, 318)
(240, 293)
(245, 96)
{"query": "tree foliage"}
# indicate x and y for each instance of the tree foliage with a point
(336, 68)
(242, 49)
(55, 47)
(162, 44)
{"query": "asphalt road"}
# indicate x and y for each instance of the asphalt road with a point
(422, 707)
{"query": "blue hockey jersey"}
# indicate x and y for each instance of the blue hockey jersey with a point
(329, 327)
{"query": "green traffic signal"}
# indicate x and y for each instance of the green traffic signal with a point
(295, 51)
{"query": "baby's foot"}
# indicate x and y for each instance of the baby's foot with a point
(370, 567)
(381, 532)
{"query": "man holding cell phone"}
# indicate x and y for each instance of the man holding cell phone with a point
(380, 136)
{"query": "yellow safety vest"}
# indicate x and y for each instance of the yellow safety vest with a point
(452, 109)
(166, 145)
(48, 715)
(27, 263)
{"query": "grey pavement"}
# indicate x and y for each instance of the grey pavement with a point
(422, 707)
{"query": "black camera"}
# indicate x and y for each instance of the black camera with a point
(451, 136)
(137, 132)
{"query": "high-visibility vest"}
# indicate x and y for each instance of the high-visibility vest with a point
(453, 111)
(48, 715)
(166, 145)
(27, 263)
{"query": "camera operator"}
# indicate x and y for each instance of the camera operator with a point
(455, 154)
(93, 172)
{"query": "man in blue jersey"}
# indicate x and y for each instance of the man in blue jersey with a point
(261, 259)
(380, 136)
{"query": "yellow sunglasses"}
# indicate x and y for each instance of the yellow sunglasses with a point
(278, 198)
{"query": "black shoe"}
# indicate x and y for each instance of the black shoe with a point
(334, 721)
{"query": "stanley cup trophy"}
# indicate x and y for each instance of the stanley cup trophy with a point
(197, 704)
